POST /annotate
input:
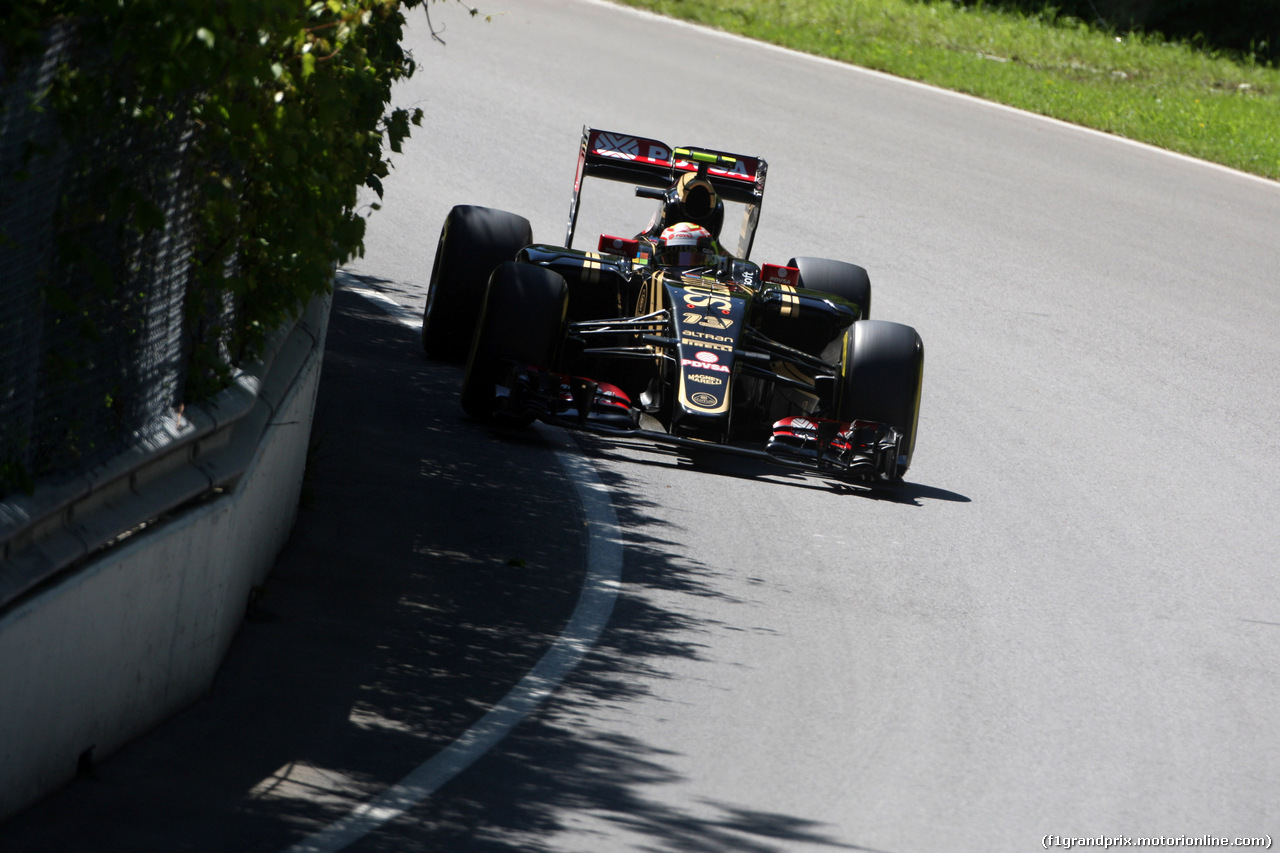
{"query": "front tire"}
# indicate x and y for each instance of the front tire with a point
(848, 281)
(473, 241)
(881, 378)
(521, 320)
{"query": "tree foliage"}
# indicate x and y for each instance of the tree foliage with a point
(280, 111)
(177, 179)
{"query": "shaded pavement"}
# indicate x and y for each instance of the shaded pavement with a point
(432, 565)
(427, 572)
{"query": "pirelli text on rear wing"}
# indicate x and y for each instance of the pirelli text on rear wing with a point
(650, 163)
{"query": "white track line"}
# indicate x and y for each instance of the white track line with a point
(595, 605)
(404, 316)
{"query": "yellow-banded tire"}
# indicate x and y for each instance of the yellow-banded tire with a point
(880, 379)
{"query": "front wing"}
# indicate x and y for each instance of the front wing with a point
(865, 451)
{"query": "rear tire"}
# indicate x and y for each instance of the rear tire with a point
(473, 241)
(881, 378)
(522, 320)
(848, 281)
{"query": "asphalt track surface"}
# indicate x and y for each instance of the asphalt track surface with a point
(1067, 624)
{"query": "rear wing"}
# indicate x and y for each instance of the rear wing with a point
(650, 163)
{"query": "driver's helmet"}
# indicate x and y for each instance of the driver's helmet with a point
(686, 244)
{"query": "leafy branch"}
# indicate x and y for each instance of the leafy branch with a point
(269, 114)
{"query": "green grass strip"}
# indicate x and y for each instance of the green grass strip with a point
(1204, 104)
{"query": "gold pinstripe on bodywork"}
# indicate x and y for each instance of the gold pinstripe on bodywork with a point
(650, 299)
(790, 300)
(591, 267)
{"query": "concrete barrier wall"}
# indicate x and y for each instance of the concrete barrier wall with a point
(139, 632)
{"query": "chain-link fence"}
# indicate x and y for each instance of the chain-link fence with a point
(92, 348)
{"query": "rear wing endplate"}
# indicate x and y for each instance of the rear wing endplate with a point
(650, 163)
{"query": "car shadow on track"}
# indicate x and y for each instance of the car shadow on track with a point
(641, 452)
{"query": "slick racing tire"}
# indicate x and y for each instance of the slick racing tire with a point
(522, 320)
(880, 379)
(473, 241)
(848, 281)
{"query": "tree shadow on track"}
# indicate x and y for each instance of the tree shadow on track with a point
(434, 564)
(554, 768)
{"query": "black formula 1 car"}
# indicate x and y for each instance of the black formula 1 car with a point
(667, 335)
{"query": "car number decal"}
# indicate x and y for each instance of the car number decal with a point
(692, 318)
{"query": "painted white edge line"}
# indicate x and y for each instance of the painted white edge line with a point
(906, 81)
(403, 315)
(590, 615)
